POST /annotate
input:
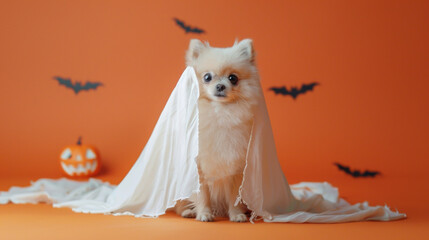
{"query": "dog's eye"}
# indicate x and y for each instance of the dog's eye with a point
(207, 77)
(233, 79)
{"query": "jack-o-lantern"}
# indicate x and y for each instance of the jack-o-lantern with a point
(80, 160)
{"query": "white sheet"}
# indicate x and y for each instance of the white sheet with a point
(166, 171)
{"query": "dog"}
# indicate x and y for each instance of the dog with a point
(229, 88)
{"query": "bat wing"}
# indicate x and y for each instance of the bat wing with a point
(64, 81)
(91, 85)
(368, 173)
(307, 87)
(181, 23)
(188, 28)
(343, 168)
(281, 90)
(196, 30)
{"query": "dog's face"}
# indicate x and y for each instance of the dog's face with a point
(225, 74)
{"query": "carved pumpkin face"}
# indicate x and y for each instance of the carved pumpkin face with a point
(80, 160)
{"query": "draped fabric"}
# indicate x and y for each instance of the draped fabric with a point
(166, 172)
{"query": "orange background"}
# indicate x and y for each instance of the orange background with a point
(369, 112)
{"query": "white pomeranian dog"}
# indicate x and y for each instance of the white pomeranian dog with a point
(229, 89)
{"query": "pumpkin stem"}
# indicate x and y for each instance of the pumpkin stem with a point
(79, 141)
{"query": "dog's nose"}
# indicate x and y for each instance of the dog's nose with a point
(220, 87)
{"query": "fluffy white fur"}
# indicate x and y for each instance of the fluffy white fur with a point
(224, 127)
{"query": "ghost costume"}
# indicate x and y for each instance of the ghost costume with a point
(166, 172)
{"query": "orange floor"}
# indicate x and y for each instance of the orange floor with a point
(44, 222)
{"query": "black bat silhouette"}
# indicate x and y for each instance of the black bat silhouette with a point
(77, 87)
(294, 91)
(356, 173)
(188, 28)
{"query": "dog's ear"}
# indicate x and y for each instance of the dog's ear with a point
(245, 49)
(195, 49)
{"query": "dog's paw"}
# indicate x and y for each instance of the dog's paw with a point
(205, 217)
(241, 217)
(188, 213)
